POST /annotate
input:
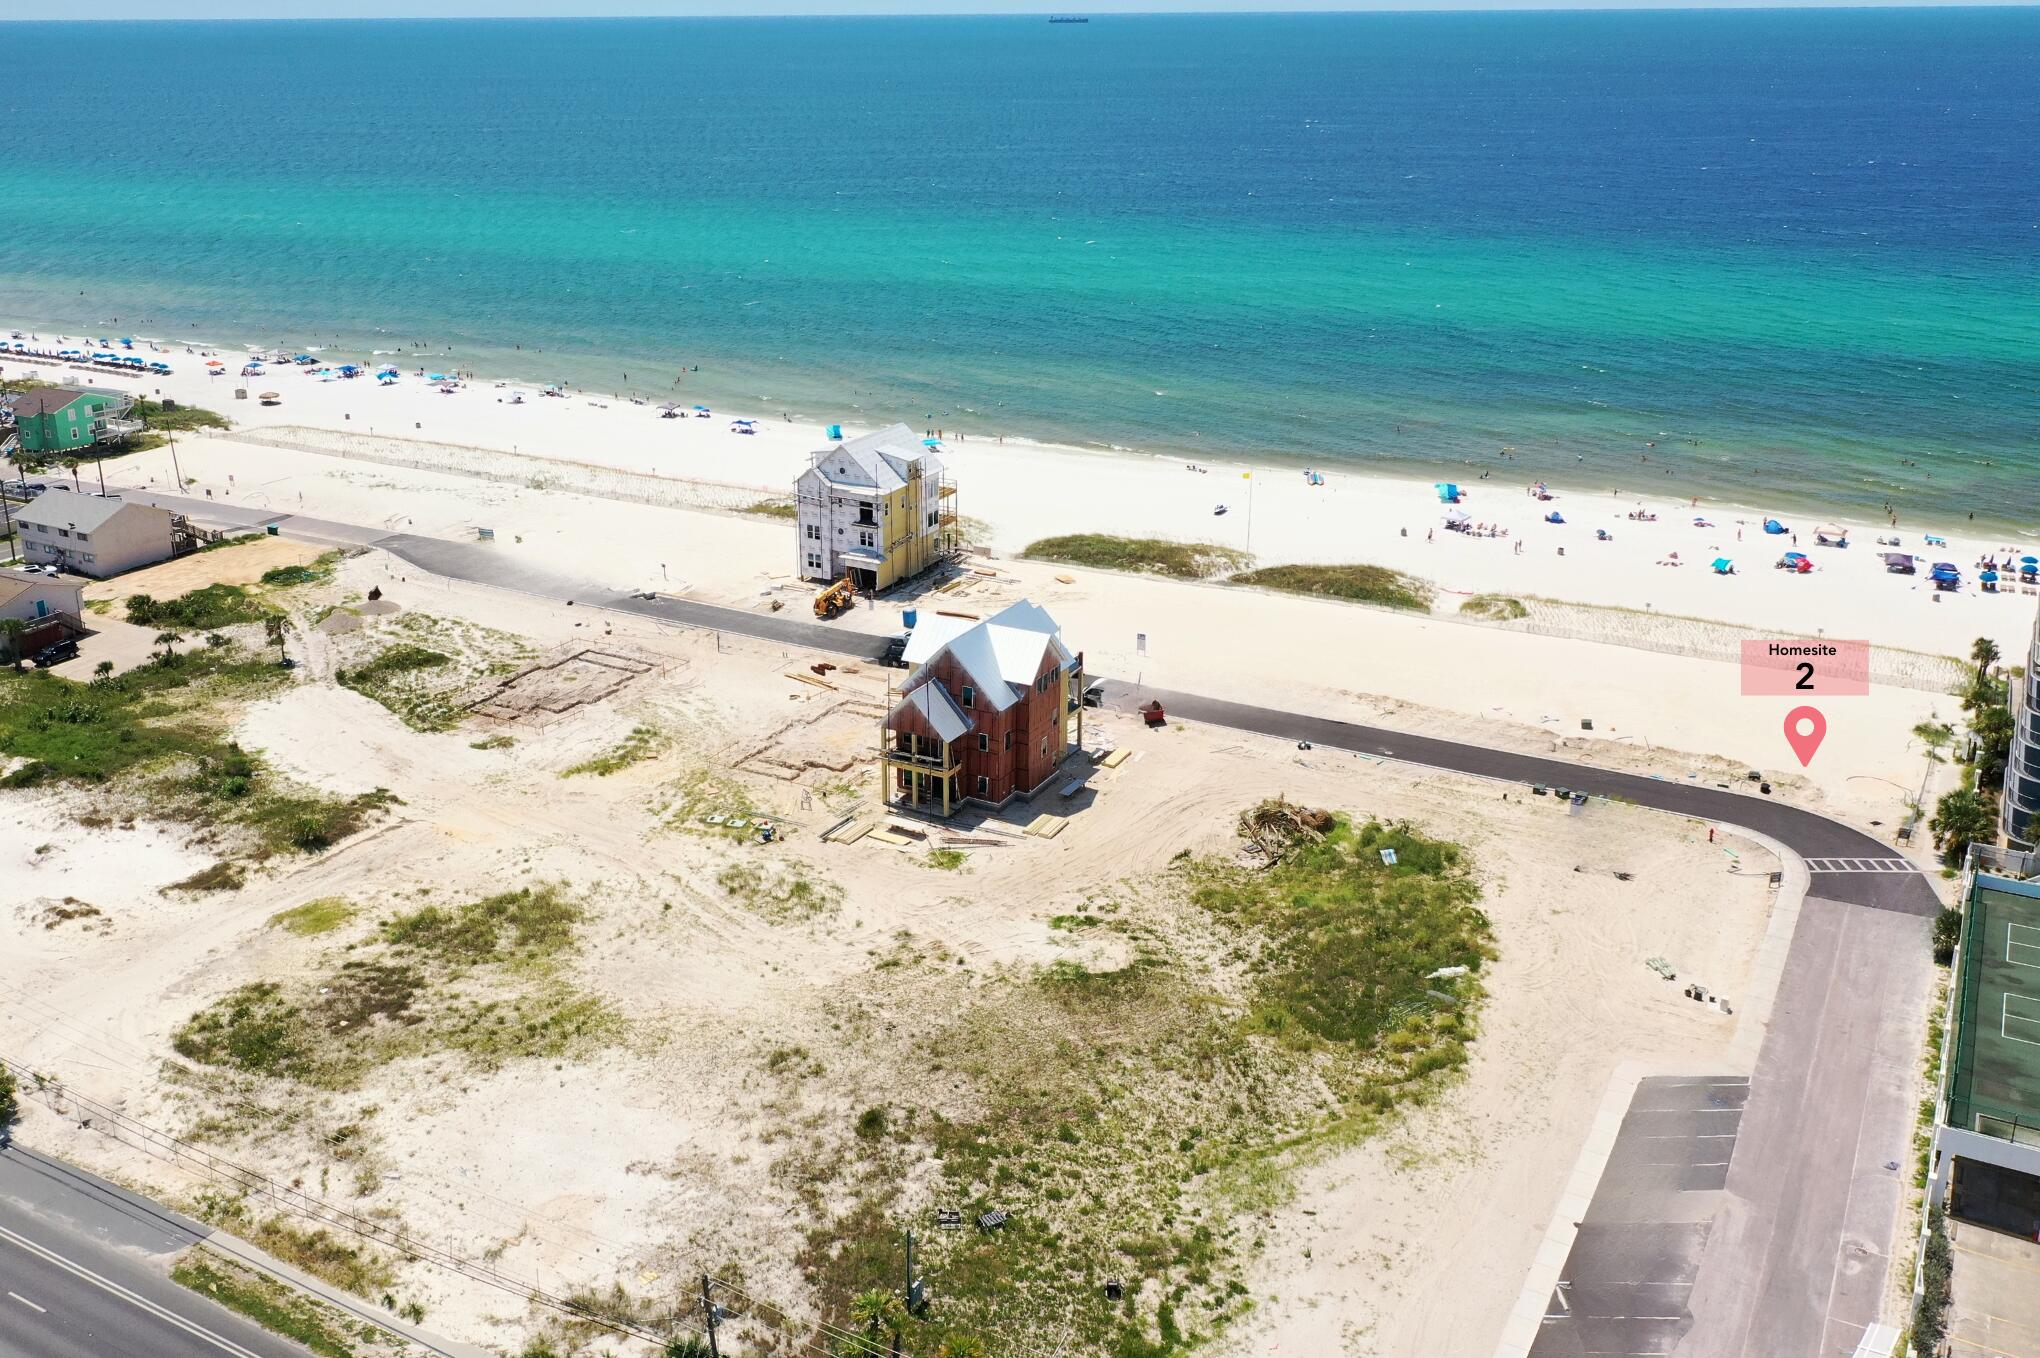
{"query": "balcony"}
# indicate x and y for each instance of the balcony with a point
(115, 427)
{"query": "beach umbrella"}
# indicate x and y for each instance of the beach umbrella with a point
(2029, 561)
(702, 409)
(215, 363)
(269, 396)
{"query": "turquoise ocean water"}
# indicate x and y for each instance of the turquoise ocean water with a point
(1797, 251)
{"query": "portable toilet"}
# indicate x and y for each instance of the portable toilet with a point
(909, 617)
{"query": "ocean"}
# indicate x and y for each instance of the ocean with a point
(1786, 257)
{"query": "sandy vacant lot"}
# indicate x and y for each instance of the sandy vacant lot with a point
(674, 1067)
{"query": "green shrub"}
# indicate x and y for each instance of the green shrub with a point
(1947, 934)
(1495, 607)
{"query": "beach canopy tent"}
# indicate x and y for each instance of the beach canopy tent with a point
(1831, 535)
(1456, 518)
(1447, 492)
(1774, 527)
(1945, 575)
(1723, 566)
(1900, 563)
(1554, 517)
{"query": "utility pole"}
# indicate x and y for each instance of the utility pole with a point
(173, 462)
(708, 1310)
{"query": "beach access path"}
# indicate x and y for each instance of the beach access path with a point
(1798, 1247)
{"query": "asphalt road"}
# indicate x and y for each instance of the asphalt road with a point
(83, 1274)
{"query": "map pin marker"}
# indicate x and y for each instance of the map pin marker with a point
(1805, 728)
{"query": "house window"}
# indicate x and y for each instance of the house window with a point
(814, 532)
(83, 538)
(63, 532)
(89, 557)
(969, 696)
(866, 539)
(814, 561)
(984, 786)
(931, 518)
(1044, 747)
(984, 741)
(1009, 740)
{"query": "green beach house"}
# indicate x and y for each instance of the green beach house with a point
(52, 420)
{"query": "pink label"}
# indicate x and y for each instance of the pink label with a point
(1804, 666)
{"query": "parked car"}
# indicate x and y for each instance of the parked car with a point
(895, 653)
(1094, 696)
(55, 654)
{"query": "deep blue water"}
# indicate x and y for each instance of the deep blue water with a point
(1793, 249)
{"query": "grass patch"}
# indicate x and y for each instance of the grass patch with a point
(780, 891)
(1494, 607)
(495, 742)
(221, 876)
(1137, 1117)
(152, 730)
(478, 979)
(275, 1307)
(1149, 556)
(641, 744)
(319, 1252)
(772, 509)
(945, 860)
(154, 416)
(321, 916)
(314, 572)
(391, 678)
(701, 794)
(202, 610)
(527, 925)
(1354, 584)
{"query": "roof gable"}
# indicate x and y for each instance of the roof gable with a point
(928, 706)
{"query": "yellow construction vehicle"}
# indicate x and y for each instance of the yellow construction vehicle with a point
(836, 598)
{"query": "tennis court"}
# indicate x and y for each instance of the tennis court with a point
(1995, 1083)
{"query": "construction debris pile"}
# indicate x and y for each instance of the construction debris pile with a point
(1278, 825)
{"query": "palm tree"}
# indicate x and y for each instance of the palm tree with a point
(103, 670)
(879, 1310)
(11, 631)
(71, 465)
(215, 641)
(167, 640)
(1934, 735)
(963, 1346)
(273, 625)
(1985, 654)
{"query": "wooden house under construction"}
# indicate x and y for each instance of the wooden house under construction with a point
(989, 711)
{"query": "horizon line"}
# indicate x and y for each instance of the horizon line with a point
(1477, 7)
